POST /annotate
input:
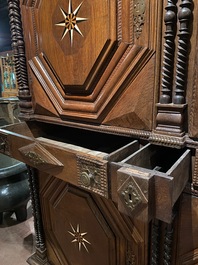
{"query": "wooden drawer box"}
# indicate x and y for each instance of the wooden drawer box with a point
(108, 165)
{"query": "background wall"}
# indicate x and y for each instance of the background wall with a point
(5, 36)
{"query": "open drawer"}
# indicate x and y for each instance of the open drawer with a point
(76, 156)
(152, 179)
(133, 175)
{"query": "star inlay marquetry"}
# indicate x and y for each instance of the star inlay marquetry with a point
(79, 237)
(70, 22)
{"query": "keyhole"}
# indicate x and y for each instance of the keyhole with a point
(130, 197)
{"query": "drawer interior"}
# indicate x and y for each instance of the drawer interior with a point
(154, 157)
(98, 141)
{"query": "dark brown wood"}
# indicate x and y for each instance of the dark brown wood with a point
(108, 91)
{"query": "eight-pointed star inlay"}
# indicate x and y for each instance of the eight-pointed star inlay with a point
(70, 21)
(79, 237)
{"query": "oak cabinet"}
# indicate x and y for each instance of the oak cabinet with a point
(108, 111)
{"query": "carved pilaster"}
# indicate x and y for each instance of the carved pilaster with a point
(182, 56)
(40, 257)
(19, 54)
(169, 50)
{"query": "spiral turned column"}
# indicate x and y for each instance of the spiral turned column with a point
(40, 257)
(169, 50)
(182, 56)
(168, 244)
(155, 243)
(19, 54)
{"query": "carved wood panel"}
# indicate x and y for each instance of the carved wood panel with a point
(88, 60)
(81, 228)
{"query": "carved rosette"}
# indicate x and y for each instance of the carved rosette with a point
(92, 174)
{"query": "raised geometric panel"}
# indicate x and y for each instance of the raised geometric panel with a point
(82, 229)
(87, 63)
(73, 58)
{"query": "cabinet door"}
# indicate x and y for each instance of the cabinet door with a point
(85, 229)
(93, 60)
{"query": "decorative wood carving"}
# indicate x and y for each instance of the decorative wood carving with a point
(92, 175)
(40, 256)
(184, 16)
(131, 195)
(155, 242)
(37, 156)
(139, 16)
(162, 236)
(104, 75)
(111, 69)
(195, 173)
(171, 115)
(60, 214)
(169, 51)
(20, 58)
(168, 244)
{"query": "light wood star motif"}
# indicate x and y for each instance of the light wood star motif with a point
(79, 238)
(70, 21)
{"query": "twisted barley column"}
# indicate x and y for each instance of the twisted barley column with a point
(155, 253)
(19, 53)
(169, 50)
(182, 56)
(36, 209)
(168, 243)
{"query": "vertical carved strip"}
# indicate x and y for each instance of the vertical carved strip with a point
(195, 174)
(182, 56)
(19, 53)
(139, 16)
(36, 210)
(155, 256)
(168, 242)
(169, 50)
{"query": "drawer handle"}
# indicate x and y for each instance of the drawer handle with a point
(88, 178)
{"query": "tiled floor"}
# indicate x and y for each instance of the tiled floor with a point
(16, 239)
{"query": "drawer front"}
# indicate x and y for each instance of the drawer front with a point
(146, 179)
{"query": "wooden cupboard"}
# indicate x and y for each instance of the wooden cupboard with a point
(108, 103)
